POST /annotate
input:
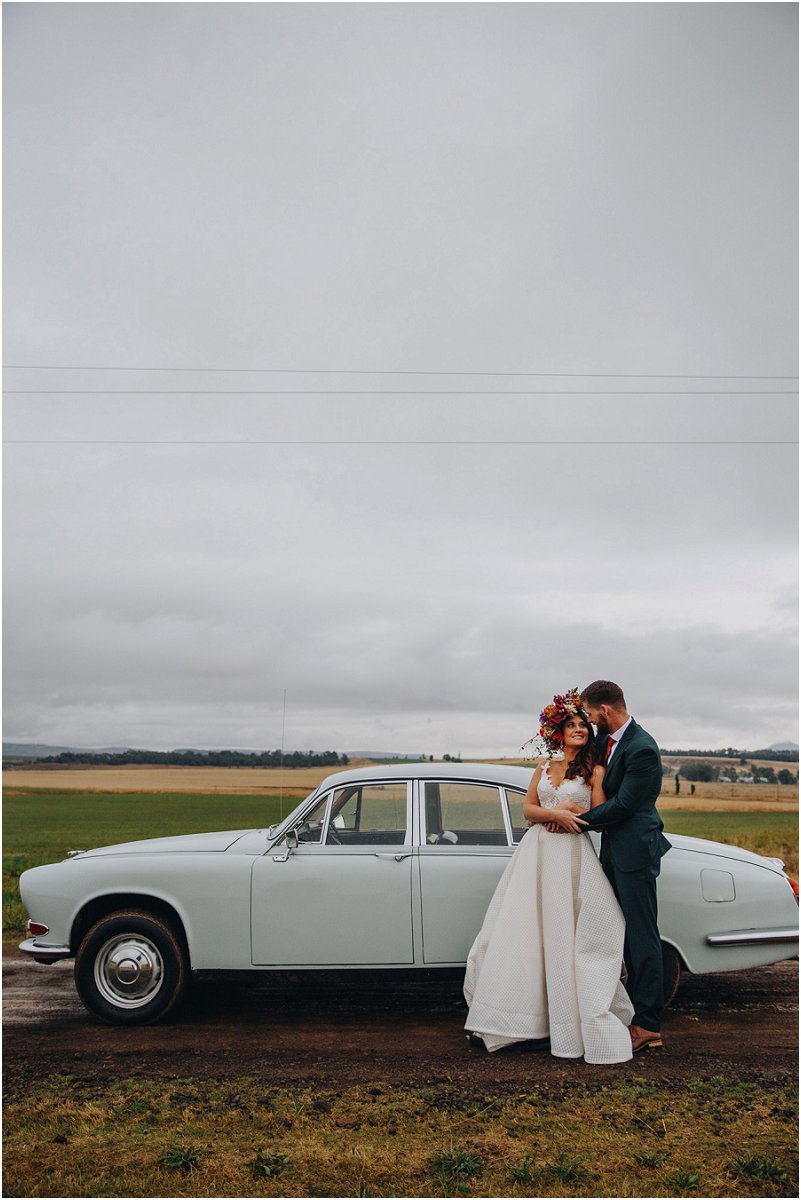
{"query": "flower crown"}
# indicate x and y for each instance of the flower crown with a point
(553, 717)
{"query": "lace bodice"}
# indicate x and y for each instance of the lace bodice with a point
(570, 789)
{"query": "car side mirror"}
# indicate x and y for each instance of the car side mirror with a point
(290, 844)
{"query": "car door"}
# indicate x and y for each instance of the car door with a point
(465, 846)
(343, 897)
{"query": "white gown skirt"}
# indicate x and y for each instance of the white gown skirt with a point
(547, 960)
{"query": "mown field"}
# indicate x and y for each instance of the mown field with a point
(709, 1137)
(273, 781)
(40, 826)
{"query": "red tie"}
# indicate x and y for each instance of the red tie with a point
(610, 745)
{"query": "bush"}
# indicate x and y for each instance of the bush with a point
(699, 772)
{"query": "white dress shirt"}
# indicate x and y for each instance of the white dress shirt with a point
(616, 736)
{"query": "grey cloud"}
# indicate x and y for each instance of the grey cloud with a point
(450, 187)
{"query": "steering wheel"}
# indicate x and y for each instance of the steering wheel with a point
(444, 837)
(332, 838)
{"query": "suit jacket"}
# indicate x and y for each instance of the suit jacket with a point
(631, 827)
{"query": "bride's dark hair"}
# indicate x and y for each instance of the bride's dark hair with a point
(583, 764)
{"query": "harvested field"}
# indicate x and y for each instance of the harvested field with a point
(257, 781)
(273, 781)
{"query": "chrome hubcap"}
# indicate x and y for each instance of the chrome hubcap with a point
(129, 971)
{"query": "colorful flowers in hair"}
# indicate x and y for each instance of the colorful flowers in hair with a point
(553, 717)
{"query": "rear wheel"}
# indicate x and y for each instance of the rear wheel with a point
(131, 968)
(671, 973)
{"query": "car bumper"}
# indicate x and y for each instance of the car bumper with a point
(753, 937)
(43, 953)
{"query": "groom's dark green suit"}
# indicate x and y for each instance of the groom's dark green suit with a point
(632, 845)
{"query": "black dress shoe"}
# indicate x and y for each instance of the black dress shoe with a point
(475, 1040)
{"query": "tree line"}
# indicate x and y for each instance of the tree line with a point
(201, 758)
(707, 772)
(730, 752)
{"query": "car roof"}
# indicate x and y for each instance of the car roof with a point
(480, 772)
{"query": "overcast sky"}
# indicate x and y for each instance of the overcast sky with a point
(573, 217)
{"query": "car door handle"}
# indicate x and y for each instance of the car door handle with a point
(397, 857)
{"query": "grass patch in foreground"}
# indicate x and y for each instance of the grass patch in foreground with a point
(243, 1138)
(41, 826)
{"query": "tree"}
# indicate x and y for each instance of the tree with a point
(678, 783)
(786, 776)
(699, 772)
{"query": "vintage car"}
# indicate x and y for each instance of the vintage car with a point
(386, 867)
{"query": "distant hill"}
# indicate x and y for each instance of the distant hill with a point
(386, 756)
(784, 746)
(32, 750)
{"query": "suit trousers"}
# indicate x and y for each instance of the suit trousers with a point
(636, 895)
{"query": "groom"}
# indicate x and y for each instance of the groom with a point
(632, 846)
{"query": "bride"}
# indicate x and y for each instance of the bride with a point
(547, 960)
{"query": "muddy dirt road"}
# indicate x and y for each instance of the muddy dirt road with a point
(331, 1031)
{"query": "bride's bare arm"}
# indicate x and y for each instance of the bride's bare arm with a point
(598, 796)
(563, 814)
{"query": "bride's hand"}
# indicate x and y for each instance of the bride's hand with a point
(569, 806)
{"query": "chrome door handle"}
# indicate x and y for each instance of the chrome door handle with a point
(397, 857)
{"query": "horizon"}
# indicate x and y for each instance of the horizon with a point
(787, 745)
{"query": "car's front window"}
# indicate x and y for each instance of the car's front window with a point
(464, 814)
(367, 814)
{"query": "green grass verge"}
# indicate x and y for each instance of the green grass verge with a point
(709, 1137)
(770, 833)
(41, 826)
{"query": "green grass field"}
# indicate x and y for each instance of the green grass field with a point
(41, 826)
(770, 833)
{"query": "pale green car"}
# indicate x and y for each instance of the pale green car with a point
(384, 867)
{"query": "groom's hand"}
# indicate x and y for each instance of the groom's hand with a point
(569, 822)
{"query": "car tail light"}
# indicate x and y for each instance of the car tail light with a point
(37, 929)
(794, 885)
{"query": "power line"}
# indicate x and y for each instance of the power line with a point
(376, 392)
(368, 442)
(366, 371)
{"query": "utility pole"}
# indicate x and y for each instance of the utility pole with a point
(283, 730)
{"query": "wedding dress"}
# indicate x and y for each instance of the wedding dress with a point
(547, 960)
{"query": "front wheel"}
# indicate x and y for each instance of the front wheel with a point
(671, 973)
(131, 968)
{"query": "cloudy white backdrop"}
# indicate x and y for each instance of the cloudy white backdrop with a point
(294, 189)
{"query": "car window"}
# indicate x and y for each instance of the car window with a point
(369, 814)
(519, 824)
(311, 830)
(463, 814)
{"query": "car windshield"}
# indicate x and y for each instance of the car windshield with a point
(287, 820)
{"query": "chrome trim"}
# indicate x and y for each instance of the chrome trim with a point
(129, 971)
(50, 953)
(752, 937)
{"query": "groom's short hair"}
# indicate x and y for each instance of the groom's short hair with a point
(603, 691)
